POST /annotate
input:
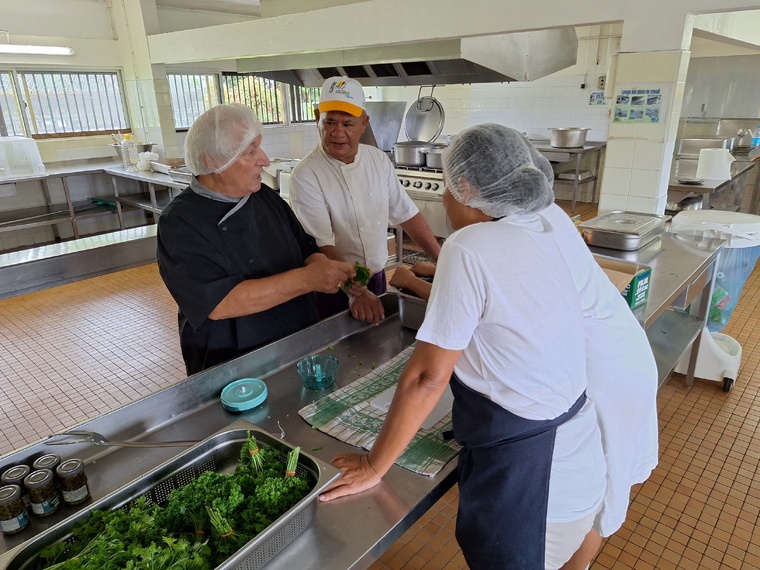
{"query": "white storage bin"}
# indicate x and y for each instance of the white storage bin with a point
(19, 156)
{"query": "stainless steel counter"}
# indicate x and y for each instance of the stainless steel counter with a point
(716, 194)
(347, 533)
(574, 155)
(683, 271)
(352, 532)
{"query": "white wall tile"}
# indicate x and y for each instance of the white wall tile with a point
(644, 183)
(609, 202)
(620, 153)
(617, 181)
(644, 205)
(648, 154)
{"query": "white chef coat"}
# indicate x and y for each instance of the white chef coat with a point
(350, 206)
(622, 375)
(503, 294)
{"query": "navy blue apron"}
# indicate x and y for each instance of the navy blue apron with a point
(504, 468)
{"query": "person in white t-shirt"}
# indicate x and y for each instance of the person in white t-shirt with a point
(621, 371)
(346, 194)
(504, 327)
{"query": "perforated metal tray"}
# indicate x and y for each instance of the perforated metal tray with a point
(221, 453)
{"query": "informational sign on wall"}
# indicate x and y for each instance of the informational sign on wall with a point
(640, 103)
(596, 99)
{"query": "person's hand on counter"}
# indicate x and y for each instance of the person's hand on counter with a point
(423, 269)
(367, 307)
(420, 386)
(407, 279)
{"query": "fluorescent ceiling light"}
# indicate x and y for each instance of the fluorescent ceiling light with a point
(35, 50)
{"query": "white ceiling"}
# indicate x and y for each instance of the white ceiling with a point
(238, 7)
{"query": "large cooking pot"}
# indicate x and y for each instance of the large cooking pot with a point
(568, 137)
(434, 156)
(410, 153)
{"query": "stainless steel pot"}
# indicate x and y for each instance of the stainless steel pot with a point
(568, 137)
(410, 153)
(434, 156)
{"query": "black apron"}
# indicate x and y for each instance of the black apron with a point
(504, 468)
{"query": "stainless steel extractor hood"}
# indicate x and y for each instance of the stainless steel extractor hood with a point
(522, 56)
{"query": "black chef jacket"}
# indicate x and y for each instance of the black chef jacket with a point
(201, 261)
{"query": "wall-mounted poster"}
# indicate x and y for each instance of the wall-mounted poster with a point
(596, 99)
(640, 103)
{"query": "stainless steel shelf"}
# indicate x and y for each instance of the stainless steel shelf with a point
(143, 201)
(34, 217)
(670, 336)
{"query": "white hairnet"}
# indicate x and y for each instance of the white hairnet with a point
(219, 136)
(505, 173)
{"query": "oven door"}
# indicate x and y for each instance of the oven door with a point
(431, 207)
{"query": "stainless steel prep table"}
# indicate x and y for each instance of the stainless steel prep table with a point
(683, 272)
(152, 201)
(575, 155)
(716, 194)
(54, 213)
(347, 533)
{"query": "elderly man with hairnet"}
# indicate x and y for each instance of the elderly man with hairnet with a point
(231, 252)
(510, 327)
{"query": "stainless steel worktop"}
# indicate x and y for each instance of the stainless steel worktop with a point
(687, 168)
(683, 271)
(574, 156)
(346, 533)
(351, 532)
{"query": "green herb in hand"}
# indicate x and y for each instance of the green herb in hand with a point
(362, 276)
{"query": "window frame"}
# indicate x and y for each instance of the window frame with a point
(288, 96)
(27, 110)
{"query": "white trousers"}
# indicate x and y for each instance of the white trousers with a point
(563, 539)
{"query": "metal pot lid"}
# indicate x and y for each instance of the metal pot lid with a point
(244, 394)
(424, 120)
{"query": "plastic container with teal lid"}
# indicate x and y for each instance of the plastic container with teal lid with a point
(74, 488)
(15, 476)
(13, 514)
(244, 394)
(43, 492)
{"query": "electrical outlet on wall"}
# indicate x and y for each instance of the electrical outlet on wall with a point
(601, 81)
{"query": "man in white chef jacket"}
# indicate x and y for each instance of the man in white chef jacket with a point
(346, 194)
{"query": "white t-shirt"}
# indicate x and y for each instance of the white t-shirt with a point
(622, 375)
(350, 206)
(505, 296)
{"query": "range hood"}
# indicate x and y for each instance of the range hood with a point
(522, 56)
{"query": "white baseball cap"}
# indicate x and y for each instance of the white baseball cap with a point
(342, 94)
